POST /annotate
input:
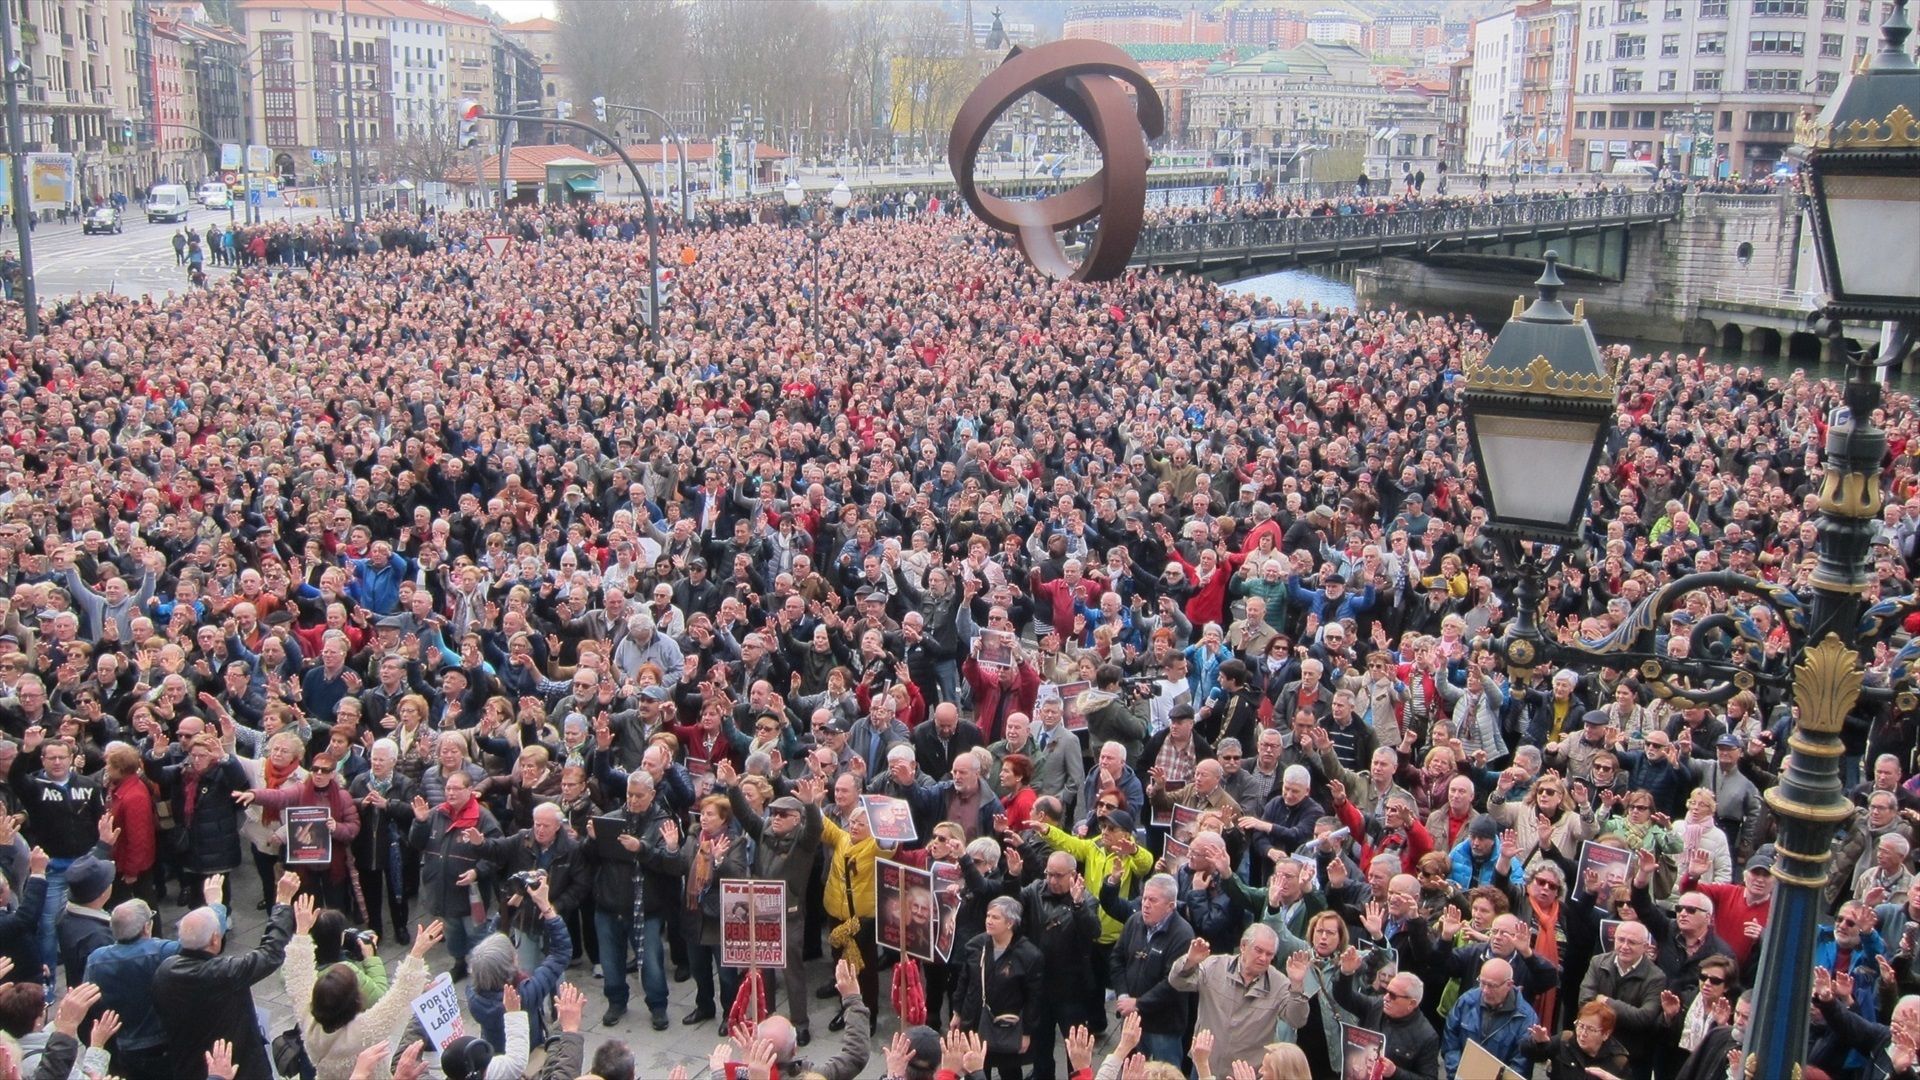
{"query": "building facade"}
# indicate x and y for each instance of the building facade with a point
(1708, 87)
(1283, 107)
(1494, 111)
(1141, 22)
(1549, 43)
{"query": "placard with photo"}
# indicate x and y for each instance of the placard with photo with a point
(309, 841)
(890, 819)
(753, 923)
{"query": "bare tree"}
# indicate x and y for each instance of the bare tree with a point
(628, 51)
(429, 150)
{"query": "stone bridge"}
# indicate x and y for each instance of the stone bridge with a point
(1279, 243)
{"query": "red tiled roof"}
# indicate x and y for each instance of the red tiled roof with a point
(540, 25)
(525, 164)
(379, 9)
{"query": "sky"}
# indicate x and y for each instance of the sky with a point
(517, 10)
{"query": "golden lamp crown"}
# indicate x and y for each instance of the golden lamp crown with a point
(1900, 129)
(1538, 377)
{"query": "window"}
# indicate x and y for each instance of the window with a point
(1669, 44)
(1777, 43)
(1710, 44)
(1773, 81)
(1643, 119)
(1619, 118)
(274, 15)
(1669, 79)
(1866, 11)
(1626, 82)
(1836, 9)
(1713, 9)
(1629, 46)
(1630, 11)
(1786, 9)
(1706, 80)
(1676, 9)
(1826, 82)
(1832, 45)
(1769, 121)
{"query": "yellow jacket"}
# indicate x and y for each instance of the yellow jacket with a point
(849, 869)
(1098, 862)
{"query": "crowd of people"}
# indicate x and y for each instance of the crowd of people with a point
(425, 586)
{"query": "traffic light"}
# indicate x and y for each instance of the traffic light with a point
(126, 131)
(563, 110)
(469, 124)
(600, 110)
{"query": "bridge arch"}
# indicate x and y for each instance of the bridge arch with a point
(1764, 340)
(1732, 338)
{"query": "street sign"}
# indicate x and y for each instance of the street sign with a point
(259, 158)
(229, 155)
(322, 157)
(496, 245)
(253, 197)
(1687, 121)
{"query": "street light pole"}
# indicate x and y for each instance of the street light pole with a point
(353, 137)
(17, 168)
(639, 181)
(686, 199)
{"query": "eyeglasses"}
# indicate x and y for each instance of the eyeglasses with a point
(1602, 766)
(1587, 1029)
(1547, 885)
(1848, 922)
(1230, 757)
(1639, 806)
(1395, 995)
(323, 771)
(1714, 980)
(1688, 909)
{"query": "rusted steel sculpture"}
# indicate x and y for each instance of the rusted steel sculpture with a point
(1087, 80)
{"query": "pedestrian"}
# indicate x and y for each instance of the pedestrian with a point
(1242, 997)
(203, 994)
(999, 991)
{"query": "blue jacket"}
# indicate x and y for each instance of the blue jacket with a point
(1502, 1032)
(379, 588)
(535, 989)
(1348, 606)
(1866, 968)
(20, 930)
(1463, 873)
(124, 974)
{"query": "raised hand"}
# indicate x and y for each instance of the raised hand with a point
(304, 914)
(1298, 965)
(220, 1060)
(367, 1065)
(287, 888)
(426, 937)
(1349, 960)
(410, 1067)
(103, 1029)
(1198, 951)
(1080, 1047)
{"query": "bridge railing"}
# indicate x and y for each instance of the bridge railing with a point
(1408, 225)
(1763, 296)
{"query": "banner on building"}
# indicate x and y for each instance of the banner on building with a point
(52, 181)
(229, 156)
(259, 158)
(6, 184)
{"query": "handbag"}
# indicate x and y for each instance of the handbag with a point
(1003, 1031)
(290, 1060)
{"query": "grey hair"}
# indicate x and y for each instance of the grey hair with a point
(1163, 884)
(900, 752)
(492, 962)
(1296, 774)
(384, 744)
(198, 928)
(1530, 752)
(130, 919)
(1009, 909)
(986, 847)
(1415, 988)
(641, 780)
(1261, 929)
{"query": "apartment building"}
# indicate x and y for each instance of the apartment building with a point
(1708, 87)
(1493, 107)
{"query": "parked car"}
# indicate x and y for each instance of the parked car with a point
(102, 219)
(214, 196)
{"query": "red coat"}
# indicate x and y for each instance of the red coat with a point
(131, 805)
(346, 816)
(988, 691)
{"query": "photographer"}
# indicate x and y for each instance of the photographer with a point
(545, 849)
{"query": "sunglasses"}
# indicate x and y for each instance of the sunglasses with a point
(1230, 757)
(1714, 980)
(1688, 909)
(326, 771)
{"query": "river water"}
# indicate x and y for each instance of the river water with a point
(1329, 292)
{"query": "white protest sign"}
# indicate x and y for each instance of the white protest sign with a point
(438, 1011)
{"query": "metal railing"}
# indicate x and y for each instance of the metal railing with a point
(1403, 226)
(1767, 296)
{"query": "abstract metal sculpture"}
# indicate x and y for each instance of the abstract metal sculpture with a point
(1085, 79)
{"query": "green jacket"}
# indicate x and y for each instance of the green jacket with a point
(1097, 862)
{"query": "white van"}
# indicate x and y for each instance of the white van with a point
(213, 195)
(169, 202)
(1644, 169)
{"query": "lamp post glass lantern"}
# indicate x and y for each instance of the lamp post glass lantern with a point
(1538, 407)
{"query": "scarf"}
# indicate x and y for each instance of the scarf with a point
(700, 876)
(1546, 945)
(272, 777)
(461, 820)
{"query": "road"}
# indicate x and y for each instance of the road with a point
(137, 261)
